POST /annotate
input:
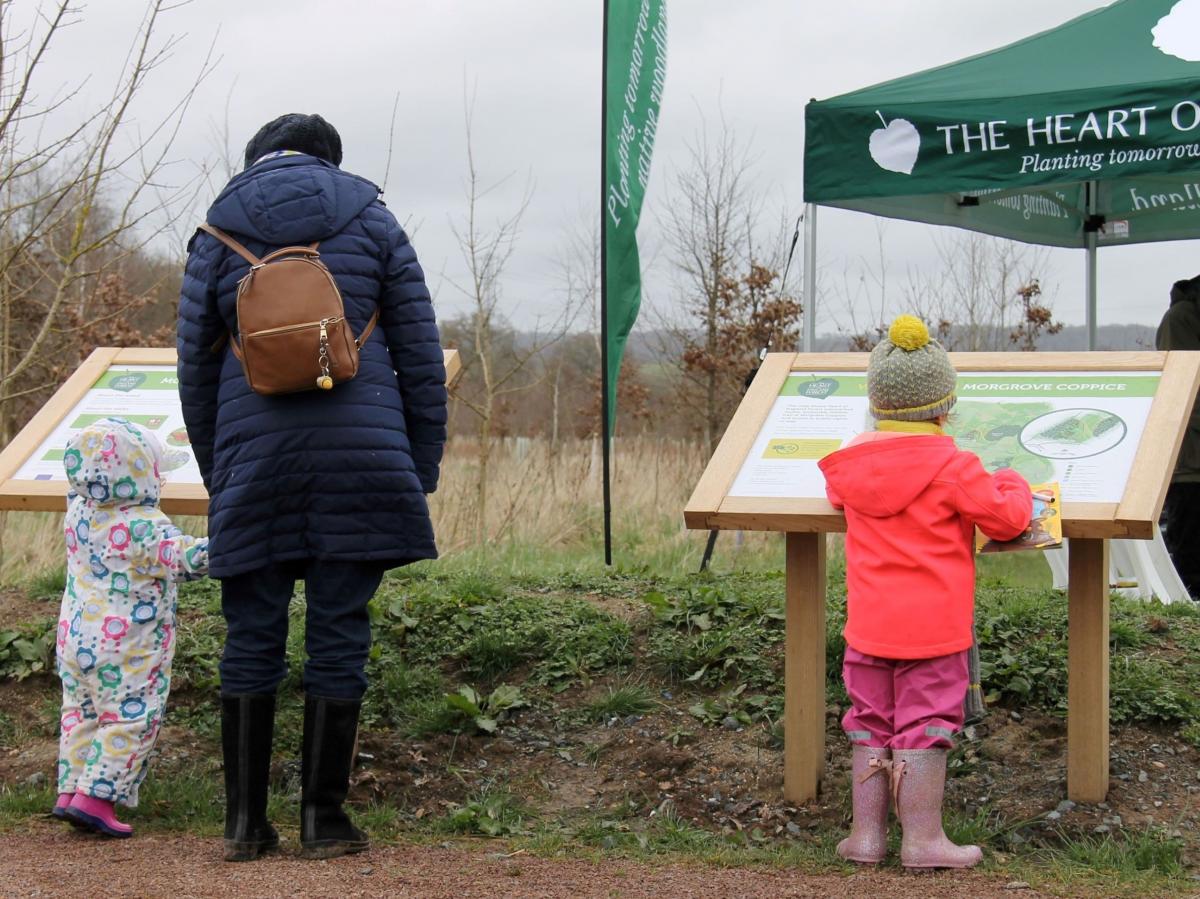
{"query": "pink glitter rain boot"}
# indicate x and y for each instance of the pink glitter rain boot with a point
(867, 843)
(98, 815)
(918, 785)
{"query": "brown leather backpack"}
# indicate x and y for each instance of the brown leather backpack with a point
(292, 328)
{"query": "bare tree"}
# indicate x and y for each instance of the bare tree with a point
(228, 160)
(498, 361)
(862, 295)
(579, 272)
(78, 202)
(973, 298)
(1035, 320)
(977, 290)
(730, 303)
(709, 222)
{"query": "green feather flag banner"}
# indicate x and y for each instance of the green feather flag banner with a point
(635, 68)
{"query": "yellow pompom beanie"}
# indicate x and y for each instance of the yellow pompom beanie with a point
(909, 376)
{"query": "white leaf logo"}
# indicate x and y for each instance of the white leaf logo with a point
(1178, 32)
(896, 145)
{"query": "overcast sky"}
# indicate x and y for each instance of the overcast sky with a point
(534, 66)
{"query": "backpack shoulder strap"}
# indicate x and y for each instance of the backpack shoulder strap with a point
(230, 242)
(366, 332)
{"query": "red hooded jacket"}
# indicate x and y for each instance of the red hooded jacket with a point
(911, 504)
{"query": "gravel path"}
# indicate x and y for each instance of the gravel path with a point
(182, 867)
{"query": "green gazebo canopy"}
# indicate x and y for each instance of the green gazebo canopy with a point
(1088, 132)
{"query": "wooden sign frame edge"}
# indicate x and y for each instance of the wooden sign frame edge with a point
(1135, 516)
(49, 496)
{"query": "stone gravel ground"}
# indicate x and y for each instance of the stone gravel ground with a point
(48, 861)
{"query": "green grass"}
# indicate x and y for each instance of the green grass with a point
(8, 731)
(461, 623)
(186, 800)
(1190, 733)
(19, 802)
(48, 584)
(489, 629)
(621, 702)
(380, 820)
(1145, 851)
(1013, 570)
(405, 697)
(666, 837)
(183, 801)
(1135, 864)
(492, 812)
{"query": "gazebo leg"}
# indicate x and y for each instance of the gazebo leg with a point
(804, 668)
(1087, 678)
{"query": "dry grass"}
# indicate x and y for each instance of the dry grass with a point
(540, 499)
(546, 501)
(31, 543)
(547, 495)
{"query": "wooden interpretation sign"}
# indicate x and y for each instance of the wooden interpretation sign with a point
(138, 384)
(1106, 426)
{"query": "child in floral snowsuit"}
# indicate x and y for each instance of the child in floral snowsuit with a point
(116, 627)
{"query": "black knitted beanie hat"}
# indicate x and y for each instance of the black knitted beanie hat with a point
(309, 134)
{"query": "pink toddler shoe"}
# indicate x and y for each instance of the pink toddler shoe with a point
(98, 815)
(60, 807)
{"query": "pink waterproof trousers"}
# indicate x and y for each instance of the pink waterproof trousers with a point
(904, 703)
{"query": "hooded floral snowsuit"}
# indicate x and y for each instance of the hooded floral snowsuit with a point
(116, 627)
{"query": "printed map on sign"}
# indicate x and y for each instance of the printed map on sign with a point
(147, 395)
(1079, 429)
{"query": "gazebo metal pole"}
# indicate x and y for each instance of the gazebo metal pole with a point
(810, 277)
(1090, 237)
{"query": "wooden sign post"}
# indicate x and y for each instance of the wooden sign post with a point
(1107, 426)
(138, 383)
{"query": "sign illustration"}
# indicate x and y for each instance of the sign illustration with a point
(1073, 433)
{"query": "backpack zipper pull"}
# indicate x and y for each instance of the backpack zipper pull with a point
(324, 381)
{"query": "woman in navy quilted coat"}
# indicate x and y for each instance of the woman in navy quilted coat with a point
(325, 486)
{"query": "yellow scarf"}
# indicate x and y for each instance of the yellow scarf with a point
(910, 427)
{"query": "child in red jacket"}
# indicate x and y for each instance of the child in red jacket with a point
(912, 500)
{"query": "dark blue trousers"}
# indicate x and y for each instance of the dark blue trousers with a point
(337, 627)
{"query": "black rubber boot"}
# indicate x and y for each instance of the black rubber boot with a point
(330, 729)
(247, 725)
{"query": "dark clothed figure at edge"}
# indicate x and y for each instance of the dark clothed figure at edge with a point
(1180, 330)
